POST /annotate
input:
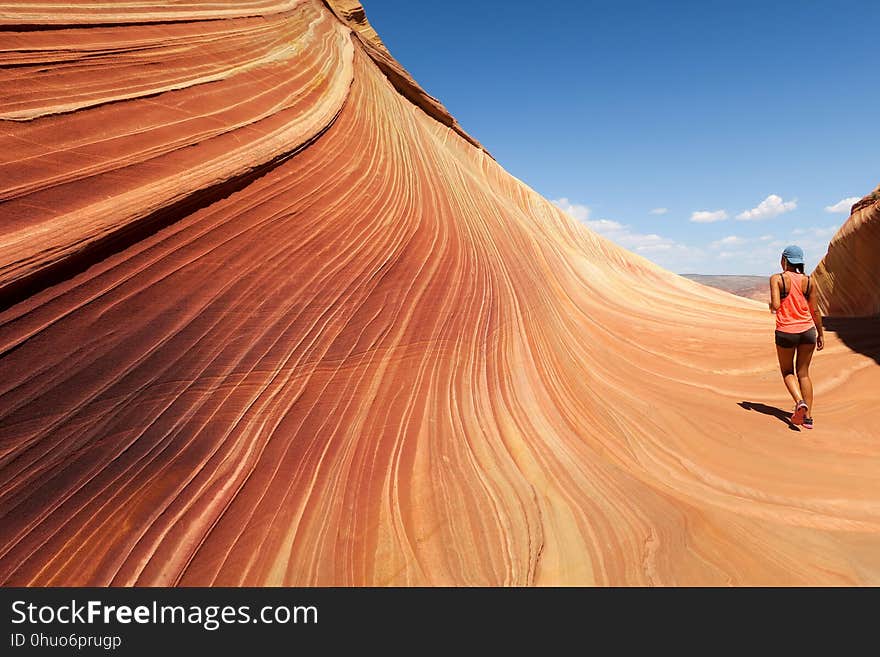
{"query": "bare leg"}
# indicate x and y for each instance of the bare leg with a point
(804, 357)
(786, 366)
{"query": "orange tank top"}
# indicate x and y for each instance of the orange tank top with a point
(793, 315)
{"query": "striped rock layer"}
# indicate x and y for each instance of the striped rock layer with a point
(269, 316)
(848, 278)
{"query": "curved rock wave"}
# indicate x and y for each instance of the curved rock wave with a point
(848, 277)
(271, 319)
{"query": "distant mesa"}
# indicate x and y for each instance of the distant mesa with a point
(750, 287)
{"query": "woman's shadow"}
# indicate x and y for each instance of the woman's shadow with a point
(778, 413)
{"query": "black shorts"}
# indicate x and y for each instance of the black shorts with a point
(792, 340)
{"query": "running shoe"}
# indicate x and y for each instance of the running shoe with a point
(800, 412)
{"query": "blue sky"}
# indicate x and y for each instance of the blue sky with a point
(615, 109)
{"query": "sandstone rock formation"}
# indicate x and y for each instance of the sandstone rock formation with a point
(269, 316)
(848, 278)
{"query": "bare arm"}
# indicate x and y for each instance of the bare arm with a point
(817, 319)
(775, 292)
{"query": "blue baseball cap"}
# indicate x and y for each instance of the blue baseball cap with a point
(794, 254)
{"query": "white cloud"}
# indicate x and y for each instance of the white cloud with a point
(816, 231)
(605, 226)
(731, 240)
(617, 232)
(732, 254)
(843, 206)
(771, 206)
(659, 211)
(653, 248)
(648, 243)
(760, 255)
(708, 216)
(579, 212)
(629, 239)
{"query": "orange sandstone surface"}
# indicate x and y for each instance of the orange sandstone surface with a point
(268, 315)
(848, 278)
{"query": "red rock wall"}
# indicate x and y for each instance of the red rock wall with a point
(268, 318)
(848, 278)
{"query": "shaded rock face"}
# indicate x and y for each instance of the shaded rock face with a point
(270, 317)
(848, 277)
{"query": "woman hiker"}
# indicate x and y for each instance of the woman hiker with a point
(798, 331)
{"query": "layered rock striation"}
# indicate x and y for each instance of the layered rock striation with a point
(848, 277)
(269, 316)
